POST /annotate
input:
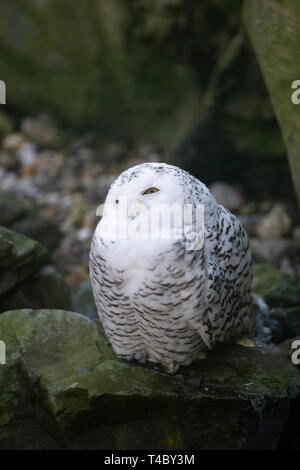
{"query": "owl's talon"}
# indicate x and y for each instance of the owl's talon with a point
(202, 355)
(246, 342)
(173, 368)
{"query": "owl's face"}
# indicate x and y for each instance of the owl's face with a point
(148, 184)
(137, 197)
(149, 201)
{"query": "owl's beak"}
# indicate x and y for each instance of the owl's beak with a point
(134, 209)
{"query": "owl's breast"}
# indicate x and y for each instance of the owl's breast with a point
(134, 259)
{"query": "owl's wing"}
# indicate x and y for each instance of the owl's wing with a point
(233, 255)
(207, 312)
(224, 307)
(230, 272)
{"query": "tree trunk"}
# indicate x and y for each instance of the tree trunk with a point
(274, 30)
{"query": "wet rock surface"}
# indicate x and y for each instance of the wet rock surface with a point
(275, 224)
(64, 386)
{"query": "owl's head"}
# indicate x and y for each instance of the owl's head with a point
(156, 201)
(156, 183)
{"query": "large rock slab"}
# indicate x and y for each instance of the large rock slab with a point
(11, 209)
(20, 256)
(63, 385)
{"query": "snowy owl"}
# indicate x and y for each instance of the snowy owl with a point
(160, 300)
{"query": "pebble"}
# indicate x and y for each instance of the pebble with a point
(27, 153)
(9, 161)
(227, 195)
(85, 233)
(296, 233)
(273, 250)
(13, 142)
(76, 276)
(41, 129)
(277, 223)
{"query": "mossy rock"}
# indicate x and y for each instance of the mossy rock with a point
(45, 289)
(29, 222)
(11, 208)
(81, 396)
(40, 228)
(278, 288)
(20, 256)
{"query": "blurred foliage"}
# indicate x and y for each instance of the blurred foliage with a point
(82, 64)
(235, 133)
(6, 125)
(177, 72)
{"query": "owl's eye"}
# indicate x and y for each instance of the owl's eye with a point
(150, 191)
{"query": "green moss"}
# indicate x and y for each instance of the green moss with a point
(232, 368)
